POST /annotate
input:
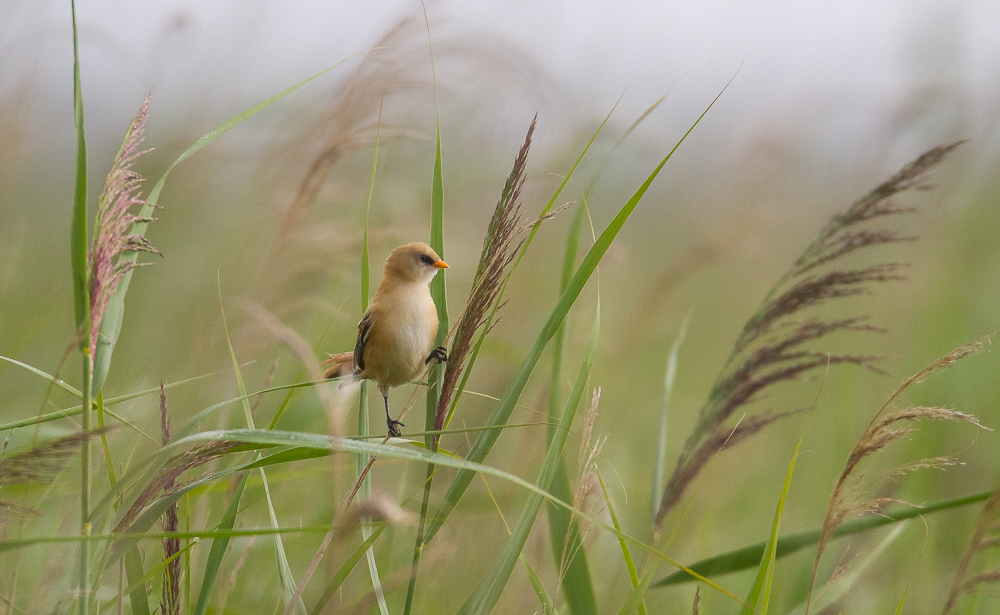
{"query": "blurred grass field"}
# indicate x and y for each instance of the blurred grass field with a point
(722, 223)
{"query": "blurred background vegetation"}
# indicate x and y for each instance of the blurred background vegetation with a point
(818, 114)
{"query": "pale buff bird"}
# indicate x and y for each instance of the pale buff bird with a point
(396, 334)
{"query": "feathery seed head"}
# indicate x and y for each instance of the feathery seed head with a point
(113, 223)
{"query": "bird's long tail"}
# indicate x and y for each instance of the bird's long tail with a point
(338, 365)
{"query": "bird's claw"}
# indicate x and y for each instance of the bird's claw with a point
(440, 354)
(394, 426)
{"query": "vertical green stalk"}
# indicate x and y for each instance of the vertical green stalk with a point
(438, 291)
(365, 490)
(659, 468)
(81, 296)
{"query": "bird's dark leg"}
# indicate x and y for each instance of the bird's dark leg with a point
(390, 422)
(439, 353)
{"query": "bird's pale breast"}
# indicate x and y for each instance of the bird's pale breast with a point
(403, 329)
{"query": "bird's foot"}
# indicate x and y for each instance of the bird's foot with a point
(440, 354)
(394, 426)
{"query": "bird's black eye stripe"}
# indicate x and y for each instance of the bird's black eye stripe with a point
(426, 259)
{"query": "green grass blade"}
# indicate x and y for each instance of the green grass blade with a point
(635, 599)
(269, 438)
(565, 537)
(565, 182)
(760, 592)
(78, 226)
(112, 479)
(564, 532)
(486, 594)
(344, 570)
(626, 553)
(484, 443)
(435, 377)
(832, 593)
(219, 547)
(111, 324)
(548, 607)
(135, 575)
(56, 381)
(365, 491)
(660, 463)
(559, 344)
(58, 414)
(78, 246)
(137, 589)
(284, 570)
(438, 283)
(750, 556)
(142, 472)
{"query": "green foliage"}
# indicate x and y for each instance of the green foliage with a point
(370, 496)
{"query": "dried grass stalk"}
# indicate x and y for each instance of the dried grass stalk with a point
(42, 462)
(586, 480)
(985, 538)
(170, 598)
(776, 344)
(845, 500)
(165, 481)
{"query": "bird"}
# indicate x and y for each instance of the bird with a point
(396, 334)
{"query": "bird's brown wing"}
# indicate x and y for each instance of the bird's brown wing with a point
(364, 330)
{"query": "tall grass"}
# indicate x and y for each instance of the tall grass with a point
(200, 494)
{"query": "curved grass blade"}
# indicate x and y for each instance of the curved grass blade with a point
(626, 553)
(486, 594)
(81, 302)
(142, 471)
(564, 532)
(750, 556)
(484, 443)
(112, 323)
(138, 588)
(78, 227)
(20, 543)
(268, 438)
(56, 381)
(219, 547)
(365, 490)
(344, 570)
(58, 414)
(548, 607)
(284, 570)
(660, 463)
(435, 378)
(635, 599)
(839, 588)
(760, 592)
(136, 581)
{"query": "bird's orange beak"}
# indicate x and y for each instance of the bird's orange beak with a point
(442, 265)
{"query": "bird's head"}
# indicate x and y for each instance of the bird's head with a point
(414, 263)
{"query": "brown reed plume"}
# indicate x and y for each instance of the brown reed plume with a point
(986, 538)
(776, 344)
(38, 463)
(42, 462)
(165, 481)
(170, 598)
(113, 222)
(499, 249)
(845, 500)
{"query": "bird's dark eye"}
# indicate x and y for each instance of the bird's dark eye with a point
(426, 259)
